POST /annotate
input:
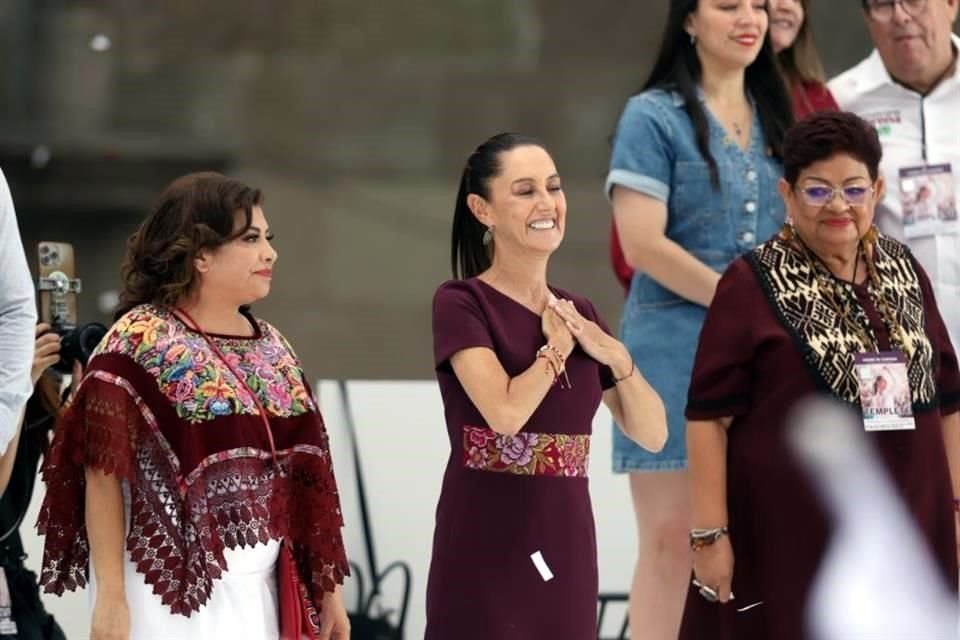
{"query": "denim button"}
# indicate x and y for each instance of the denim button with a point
(750, 207)
(751, 175)
(747, 237)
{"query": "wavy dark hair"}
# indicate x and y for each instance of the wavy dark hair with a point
(677, 68)
(468, 255)
(194, 213)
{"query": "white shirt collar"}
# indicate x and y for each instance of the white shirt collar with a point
(875, 75)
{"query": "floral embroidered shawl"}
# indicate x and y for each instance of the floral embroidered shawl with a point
(161, 411)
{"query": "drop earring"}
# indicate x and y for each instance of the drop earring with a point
(488, 236)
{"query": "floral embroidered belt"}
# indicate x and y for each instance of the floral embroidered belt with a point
(529, 454)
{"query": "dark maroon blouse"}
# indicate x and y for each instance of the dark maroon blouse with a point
(749, 366)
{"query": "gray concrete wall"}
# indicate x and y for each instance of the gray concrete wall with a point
(355, 118)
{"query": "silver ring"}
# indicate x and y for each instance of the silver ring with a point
(709, 594)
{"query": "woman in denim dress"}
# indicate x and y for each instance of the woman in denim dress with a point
(693, 184)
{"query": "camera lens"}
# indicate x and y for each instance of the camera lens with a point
(76, 345)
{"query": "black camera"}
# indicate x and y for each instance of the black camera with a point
(77, 344)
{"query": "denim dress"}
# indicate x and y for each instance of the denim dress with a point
(655, 153)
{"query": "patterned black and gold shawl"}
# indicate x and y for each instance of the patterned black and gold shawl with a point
(794, 286)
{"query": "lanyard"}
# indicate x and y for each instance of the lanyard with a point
(241, 379)
(843, 308)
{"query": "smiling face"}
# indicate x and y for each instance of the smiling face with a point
(915, 44)
(880, 385)
(525, 207)
(239, 271)
(786, 19)
(835, 227)
(729, 33)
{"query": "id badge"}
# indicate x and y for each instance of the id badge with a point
(928, 200)
(884, 391)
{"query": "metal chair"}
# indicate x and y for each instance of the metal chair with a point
(603, 600)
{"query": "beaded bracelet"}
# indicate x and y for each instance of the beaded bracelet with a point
(550, 366)
(560, 369)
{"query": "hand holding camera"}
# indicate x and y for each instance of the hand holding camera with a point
(46, 353)
(59, 288)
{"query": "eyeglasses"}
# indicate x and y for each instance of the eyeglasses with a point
(882, 10)
(820, 195)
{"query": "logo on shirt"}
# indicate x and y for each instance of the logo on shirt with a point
(883, 121)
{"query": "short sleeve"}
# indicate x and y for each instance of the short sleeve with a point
(720, 382)
(590, 312)
(643, 155)
(945, 364)
(458, 322)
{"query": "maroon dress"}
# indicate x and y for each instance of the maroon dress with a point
(506, 498)
(755, 365)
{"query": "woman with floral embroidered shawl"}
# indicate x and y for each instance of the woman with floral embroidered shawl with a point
(163, 475)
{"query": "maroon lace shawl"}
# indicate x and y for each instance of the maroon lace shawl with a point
(159, 411)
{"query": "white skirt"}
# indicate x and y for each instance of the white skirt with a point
(243, 602)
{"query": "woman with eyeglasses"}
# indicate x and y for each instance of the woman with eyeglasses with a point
(693, 185)
(829, 307)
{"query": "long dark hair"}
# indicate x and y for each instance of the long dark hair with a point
(800, 62)
(468, 255)
(678, 68)
(194, 213)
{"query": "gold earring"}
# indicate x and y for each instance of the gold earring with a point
(787, 232)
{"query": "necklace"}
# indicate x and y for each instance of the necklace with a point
(838, 298)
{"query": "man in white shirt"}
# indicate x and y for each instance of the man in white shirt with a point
(909, 89)
(18, 319)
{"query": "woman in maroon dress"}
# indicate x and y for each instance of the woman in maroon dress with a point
(823, 295)
(522, 368)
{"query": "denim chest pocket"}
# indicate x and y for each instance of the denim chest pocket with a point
(697, 216)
